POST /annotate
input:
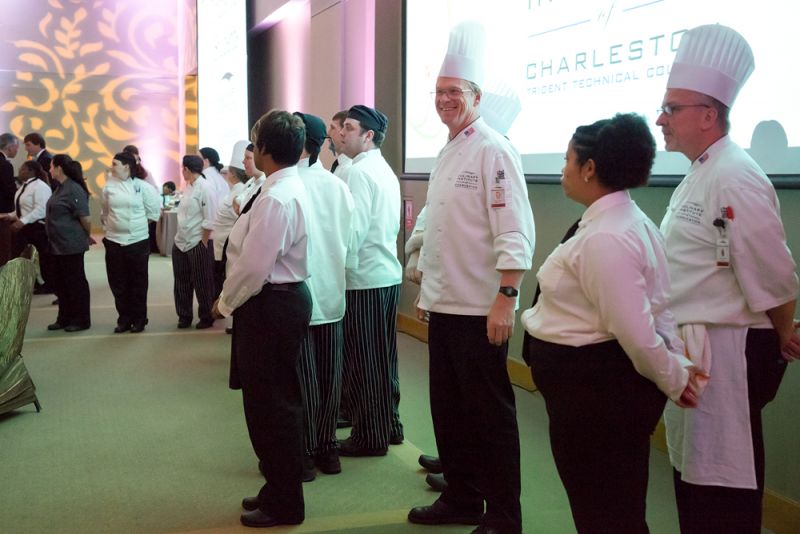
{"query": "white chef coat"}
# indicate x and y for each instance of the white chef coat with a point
(610, 281)
(225, 219)
(344, 164)
(32, 196)
(269, 243)
(728, 300)
(477, 220)
(195, 213)
(330, 201)
(126, 206)
(217, 182)
(376, 222)
(251, 187)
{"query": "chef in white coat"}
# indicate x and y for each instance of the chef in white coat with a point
(734, 288)
(322, 350)
(478, 242)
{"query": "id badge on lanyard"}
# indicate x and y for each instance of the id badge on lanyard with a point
(723, 243)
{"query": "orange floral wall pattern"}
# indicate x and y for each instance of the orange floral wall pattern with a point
(93, 76)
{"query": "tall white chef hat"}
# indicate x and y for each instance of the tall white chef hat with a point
(465, 53)
(238, 154)
(713, 60)
(500, 105)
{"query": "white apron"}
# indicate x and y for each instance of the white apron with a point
(711, 445)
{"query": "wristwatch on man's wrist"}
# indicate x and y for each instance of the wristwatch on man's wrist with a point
(509, 291)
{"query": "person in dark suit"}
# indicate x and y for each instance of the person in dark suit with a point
(36, 147)
(9, 144)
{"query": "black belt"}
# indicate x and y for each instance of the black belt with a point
(289, 286)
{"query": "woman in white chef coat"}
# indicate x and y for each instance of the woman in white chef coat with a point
(128, 203)
(605, 351)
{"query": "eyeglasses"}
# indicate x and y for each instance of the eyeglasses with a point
(670, 109)
(453, 92)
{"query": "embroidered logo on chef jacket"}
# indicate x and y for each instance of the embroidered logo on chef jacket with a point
(467, 180)
(691, 212)
(499, 190)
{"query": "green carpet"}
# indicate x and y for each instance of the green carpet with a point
(139, 433)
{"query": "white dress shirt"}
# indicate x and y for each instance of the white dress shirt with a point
(225, 219)
(217, 182)
(712, 444)
(196, 213)
(32, 197)
(330, 201)
(126, 206)
(610, 281)
(269, 243)
(376, 222)
(478, 219)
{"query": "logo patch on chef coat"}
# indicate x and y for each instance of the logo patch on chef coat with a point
(467, 180)
(691, 212)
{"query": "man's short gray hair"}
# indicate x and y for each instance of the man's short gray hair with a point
(8, 139)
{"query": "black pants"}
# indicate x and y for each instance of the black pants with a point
(219, 275)
(370, 365)
(602, 413)
(194, 272)
(474, 420)
(270, 327)
(72, 290)
(35, 234)
(321, 356)
(126, 267)
(717, 509)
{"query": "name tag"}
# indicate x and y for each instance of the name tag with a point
(723, 252)
(498, 196)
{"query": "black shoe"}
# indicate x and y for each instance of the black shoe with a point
(54, 303)
(76, 327)
(396, 440)
(138, 327)
(184, 323)
(251, 503)
(259, 519)
(202, 324)
(440, 513)
(42, 290)
(436, 481)
(328, 462)
(431, 464)
(122, 328)
(228, 330)
(309, 473)
(483, 529)
(55, 326)
(261, 468)
(343, 422)
(349, 448)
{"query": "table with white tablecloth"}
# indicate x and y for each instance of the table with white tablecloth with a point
(165, 231)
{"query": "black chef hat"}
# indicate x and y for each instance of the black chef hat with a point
(316, 131)
(370, 119)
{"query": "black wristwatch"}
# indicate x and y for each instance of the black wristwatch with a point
(509, 291)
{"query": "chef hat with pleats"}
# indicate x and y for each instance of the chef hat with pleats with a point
(465, 53)
(500, 106)
(714, 60)
(237, 158)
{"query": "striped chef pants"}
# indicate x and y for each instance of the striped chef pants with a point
(370, 365)
(321, 357)
(194, 272)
